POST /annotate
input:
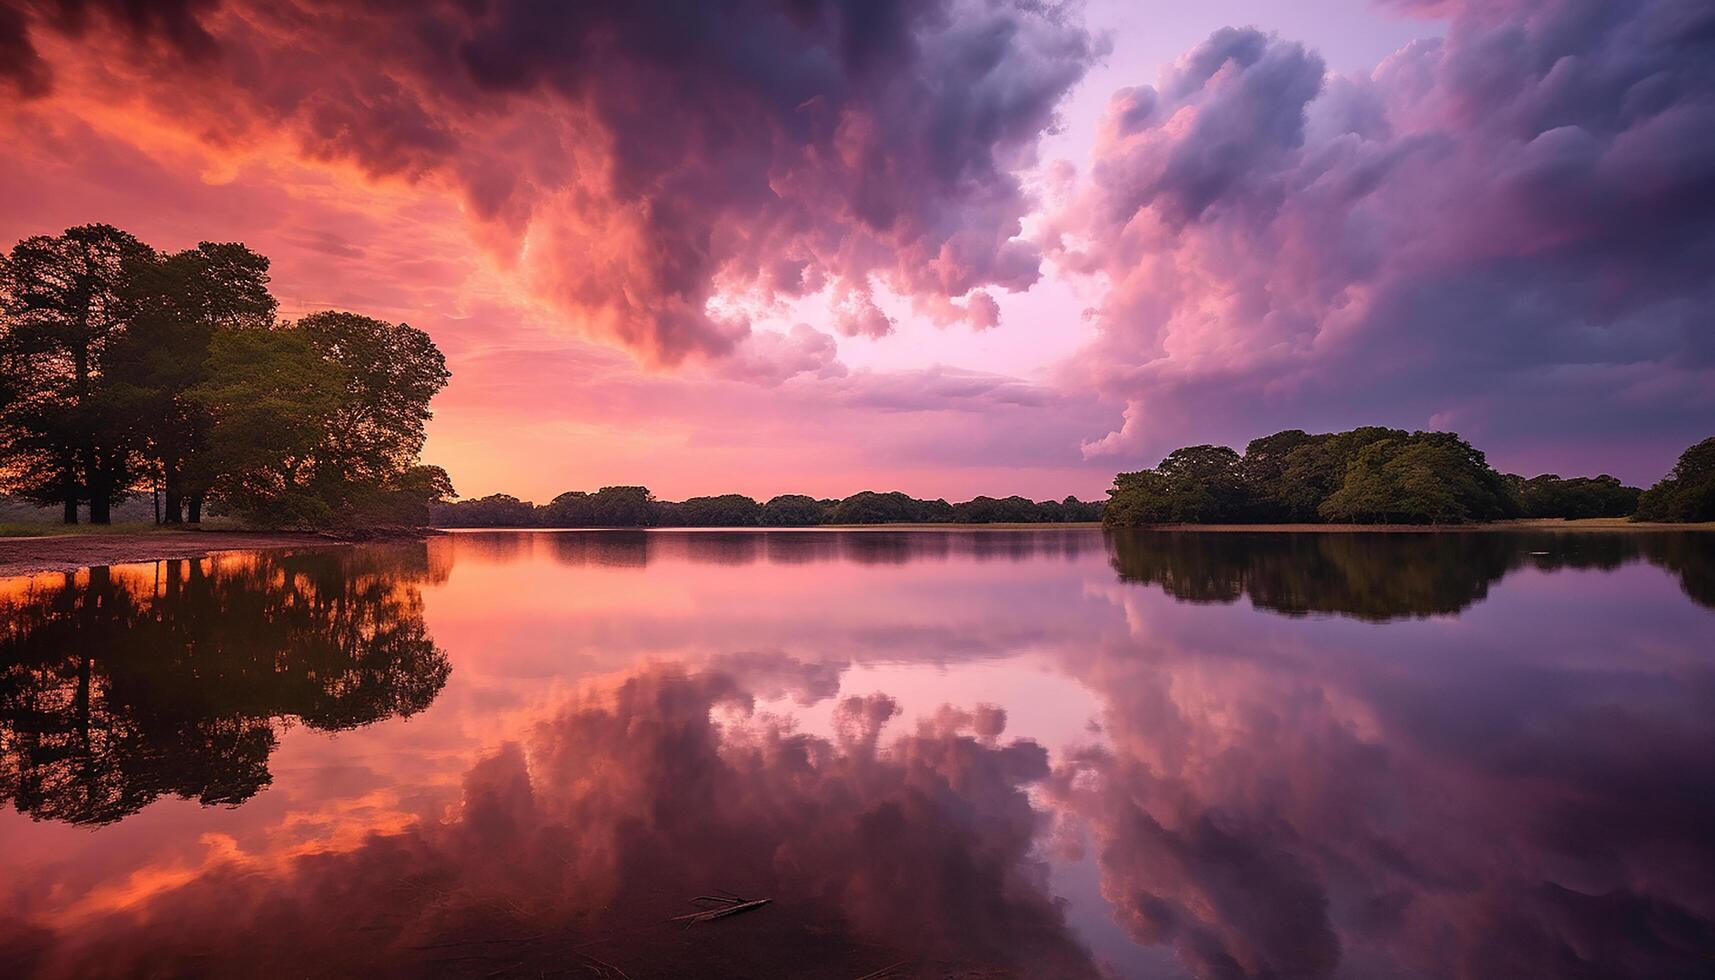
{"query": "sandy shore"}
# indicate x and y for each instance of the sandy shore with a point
(51, 553)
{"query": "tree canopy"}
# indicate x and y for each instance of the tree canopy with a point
(1687, 494)
(637, 507)
(124, 369)
(1369, 475)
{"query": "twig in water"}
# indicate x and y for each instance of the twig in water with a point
(723, 907)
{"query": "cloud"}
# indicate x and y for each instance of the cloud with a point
(1511, 226)
(769, 357)
(1526, 799)
(633, 160)
(586, 836)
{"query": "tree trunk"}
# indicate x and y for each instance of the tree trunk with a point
(70, 509)
(174, 495)
(196, 507)
(100, 495)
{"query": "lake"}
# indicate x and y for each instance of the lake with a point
(983, 753)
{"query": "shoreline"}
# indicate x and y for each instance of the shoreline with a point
(71, 552)
(28, 555)
(1587, 525)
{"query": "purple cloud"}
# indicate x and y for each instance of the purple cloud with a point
(1507, 231)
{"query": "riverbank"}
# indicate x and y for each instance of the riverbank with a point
(71, 551)
(1587, 525)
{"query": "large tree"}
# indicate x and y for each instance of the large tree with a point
(321, 421)
(390, 372)
(179, 301)
(68, 432)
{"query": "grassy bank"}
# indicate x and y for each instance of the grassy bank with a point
(38, 529)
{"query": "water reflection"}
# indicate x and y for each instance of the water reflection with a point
(997, 754)
(636, 549)
(573, 849)
(1379, 577)
(121, 686)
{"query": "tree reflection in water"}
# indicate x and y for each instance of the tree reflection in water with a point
(120, 686)
(1384, 576)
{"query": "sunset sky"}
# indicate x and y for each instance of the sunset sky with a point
(945, 246)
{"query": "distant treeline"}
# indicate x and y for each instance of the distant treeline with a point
(127, 371)
(1375, 475)
(637, 507)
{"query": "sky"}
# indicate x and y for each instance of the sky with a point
(945, 246)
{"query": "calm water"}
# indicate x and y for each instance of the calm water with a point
(939, 754)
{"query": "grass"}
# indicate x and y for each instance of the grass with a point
(39, 529)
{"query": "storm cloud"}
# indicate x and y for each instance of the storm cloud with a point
(1505, 231)
(635, 160)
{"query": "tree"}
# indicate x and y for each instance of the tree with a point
(1193, 485)
(569, 509)
(1366, 474)
(869, 507)
(390, 372)
(622, 507)
(271, 398)
(793, 510)
(64, 304)
(1550, 496)
(321, 421)
(178, 302)
(726, 510)
(1687, 494)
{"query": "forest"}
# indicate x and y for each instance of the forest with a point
(126, 371)
(1375, 475)
(637, 507)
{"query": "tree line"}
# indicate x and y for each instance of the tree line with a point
(637, 507)
(127, 370)
(1375, 475)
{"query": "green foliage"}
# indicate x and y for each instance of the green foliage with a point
(1549, 496)
(1367, 475)
(1687, 494)
(179, 301)
(869, 507)
(494, 510)
(726, 510)
(122, 367)
(793, 510)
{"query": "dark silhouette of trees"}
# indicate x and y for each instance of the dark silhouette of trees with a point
(870, 507)
(793, 510)
(115, 691)
(622, 507)
(64, 303)
(1549, 495)
(637, 507)
(123, 368)
(726, 510)
(1687, 494)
